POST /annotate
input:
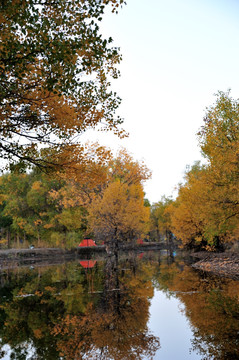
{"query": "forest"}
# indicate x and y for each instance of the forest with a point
(104, 202)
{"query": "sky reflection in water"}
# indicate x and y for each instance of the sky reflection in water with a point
(168, 322)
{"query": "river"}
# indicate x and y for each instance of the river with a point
(133, 306)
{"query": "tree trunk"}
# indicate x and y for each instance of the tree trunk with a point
(8, 238)
(18, 242)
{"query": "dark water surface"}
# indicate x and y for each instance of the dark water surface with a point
(134, 306)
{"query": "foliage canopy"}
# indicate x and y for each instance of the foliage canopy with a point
(206, 211)
(54, 71)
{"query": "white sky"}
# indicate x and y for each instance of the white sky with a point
(176, 55)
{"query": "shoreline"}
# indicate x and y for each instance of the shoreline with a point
(224, 264)
(11, 257)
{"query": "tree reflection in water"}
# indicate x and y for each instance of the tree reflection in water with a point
(117, 327)
(211, 305)
(100, 310)
(217, 335)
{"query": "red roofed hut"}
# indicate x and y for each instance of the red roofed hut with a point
(87, 242)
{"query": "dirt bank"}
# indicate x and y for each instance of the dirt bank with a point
(223, 264)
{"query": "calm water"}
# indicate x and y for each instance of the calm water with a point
(139, 306)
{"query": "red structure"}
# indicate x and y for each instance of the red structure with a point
(88, 264)
(139, 241)
(87, 242)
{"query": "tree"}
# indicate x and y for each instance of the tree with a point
(206, 211)
(160, 218)
(5, 223)
(219, 140)
(125, 169)
(119, 214)
(188, 211)
(35, 206)
(54, 70)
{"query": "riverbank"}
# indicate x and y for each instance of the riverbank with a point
(14, 257)
(222, 264)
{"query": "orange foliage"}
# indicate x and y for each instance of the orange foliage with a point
(55, 86)
(206, 211)
(120, 212)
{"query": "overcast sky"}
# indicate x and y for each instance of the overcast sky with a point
(176, 55)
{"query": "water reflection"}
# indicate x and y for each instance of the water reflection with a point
(99, 309)
(211, 305)
(114, 327)
(83, 310)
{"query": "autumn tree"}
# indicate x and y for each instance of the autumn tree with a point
(51, 208)
(127, 170)
(160, 221)
(119, 214)
(187, 212)
(206, 211)
(196, 219)
(54, 77)
(32, 210)
(219, 140)
(25, 202)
